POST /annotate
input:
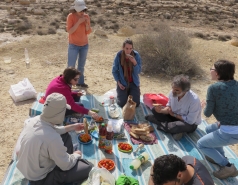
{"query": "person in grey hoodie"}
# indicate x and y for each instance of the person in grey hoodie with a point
(45, 155)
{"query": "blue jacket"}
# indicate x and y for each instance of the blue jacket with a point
(117, 70)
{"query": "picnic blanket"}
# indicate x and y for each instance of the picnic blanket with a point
(166, 145)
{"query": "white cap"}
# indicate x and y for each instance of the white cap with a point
(79, 5)
(54, 108)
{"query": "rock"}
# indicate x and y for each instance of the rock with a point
(234, 42)
(167, 15)
(12, 12)
(100, 33)
(39, 12)
(24, 2)
(8, 1)
(229, 25)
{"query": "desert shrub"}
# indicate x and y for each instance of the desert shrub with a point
(166, 52)
(23, 26)
(100, 21)
(51, 31)
(93, 12)
(222, 38)
(115, 26)
(200, 35)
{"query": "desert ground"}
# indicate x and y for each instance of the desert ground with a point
(48, 58)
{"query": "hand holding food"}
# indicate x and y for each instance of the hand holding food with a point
(79, 126)
(93, 114)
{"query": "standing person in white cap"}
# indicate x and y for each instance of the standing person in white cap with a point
(78, 27)
(46, 151)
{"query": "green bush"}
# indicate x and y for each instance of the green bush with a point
(166, 52)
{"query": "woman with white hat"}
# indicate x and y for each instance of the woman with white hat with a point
(78, 27)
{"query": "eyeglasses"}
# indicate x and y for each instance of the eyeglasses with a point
(212, 69)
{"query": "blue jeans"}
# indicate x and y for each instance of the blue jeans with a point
(79, 52)
(122, 95)
(212, 143)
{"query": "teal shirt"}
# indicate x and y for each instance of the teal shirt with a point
(222, 102)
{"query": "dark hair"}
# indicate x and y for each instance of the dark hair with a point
(72, 10)
(182, 81)
(225, 69)
(166, 168)
(70, 73)
(127, 41)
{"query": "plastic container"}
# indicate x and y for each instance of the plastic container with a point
(102, 135)
(7, 60)
(27, 59)
(138, 161)
(109, 137)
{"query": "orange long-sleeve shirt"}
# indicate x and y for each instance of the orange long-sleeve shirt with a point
(80, 36)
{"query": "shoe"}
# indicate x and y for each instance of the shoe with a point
(178, 136)
(82, 85)
(226, 172)
(211, 160)
(151, 118)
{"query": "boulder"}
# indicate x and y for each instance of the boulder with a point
(39, 12)
(24, 2)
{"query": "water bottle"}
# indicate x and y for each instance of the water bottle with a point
(109, 137)
(27, 60)
(138, 161)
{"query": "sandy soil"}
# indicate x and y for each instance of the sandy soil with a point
(48, 56)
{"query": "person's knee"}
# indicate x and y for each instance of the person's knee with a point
(199, 144)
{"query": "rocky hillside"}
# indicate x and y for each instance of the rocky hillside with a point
(47, 16)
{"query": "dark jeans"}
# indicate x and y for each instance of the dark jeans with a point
(122, 95)
(70, 112)
(172, 125)
(77, 174)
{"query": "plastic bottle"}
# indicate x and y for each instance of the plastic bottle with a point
(27, 60)
(138, 161)
(102, 135)
(109, 137)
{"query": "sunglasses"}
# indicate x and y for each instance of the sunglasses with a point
(76, 79)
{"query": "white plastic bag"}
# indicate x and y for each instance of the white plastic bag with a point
(23, 90)
(100, 173)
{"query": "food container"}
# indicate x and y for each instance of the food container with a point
(106, 163)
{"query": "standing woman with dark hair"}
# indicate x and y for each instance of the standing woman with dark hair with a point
(62, 84)
(222, 102)
(125, 70)
(78, 27)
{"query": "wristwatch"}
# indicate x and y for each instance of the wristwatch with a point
(175, 115)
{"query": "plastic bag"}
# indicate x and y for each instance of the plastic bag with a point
(129, 109)
(97, 175)
(150, 99)
(23, 90)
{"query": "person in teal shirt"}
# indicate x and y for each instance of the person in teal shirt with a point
(222, 102)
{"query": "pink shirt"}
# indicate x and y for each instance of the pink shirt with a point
(58, 85)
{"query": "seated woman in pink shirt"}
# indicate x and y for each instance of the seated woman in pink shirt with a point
(62, 84)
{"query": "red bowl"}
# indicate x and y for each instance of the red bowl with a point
(108, 164)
